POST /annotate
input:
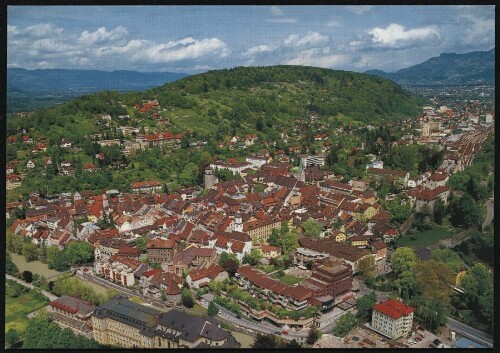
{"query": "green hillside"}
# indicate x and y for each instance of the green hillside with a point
(257, 98)
(220, 103)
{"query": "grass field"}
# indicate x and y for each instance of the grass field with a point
(34, 266)
(16, 309)
(429, 237)
(245, 340)
(197, 310)
(291, 280)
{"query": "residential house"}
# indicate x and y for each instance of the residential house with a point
(200, 278)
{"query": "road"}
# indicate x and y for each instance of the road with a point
(29, 285)
(489, 212)
(260, 327)
(470, 332)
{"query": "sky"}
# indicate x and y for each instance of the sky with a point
(193, 39)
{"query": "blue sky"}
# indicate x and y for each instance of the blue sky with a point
(194, 39)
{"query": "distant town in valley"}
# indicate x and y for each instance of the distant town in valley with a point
(251, 206)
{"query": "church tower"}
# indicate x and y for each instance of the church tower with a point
(209, 178)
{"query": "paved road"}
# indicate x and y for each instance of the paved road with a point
(489, 212)
(29, 285)
(470, 332)
(261, 327)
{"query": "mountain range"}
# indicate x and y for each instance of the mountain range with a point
(82, 81)
(472, 68)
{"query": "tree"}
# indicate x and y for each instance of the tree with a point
(439, 211)
(405, 283)
(433, 280)
(187, 298)
(252, 258)
(403, 259)
(275, 238)
(345, 324)
(477, 285)
(464, 212)
(10, 266)
(364, 306)
(450, 258)
(27, 276)
(290, 242)
(212, 309)
(367, 266)
(267, 341)
(30, 251)
(230, 265)
(313, 335)
(312, 228)
(141, 243)
(473, 188)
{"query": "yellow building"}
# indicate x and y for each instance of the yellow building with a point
(338, 236)
(260, 230)
(122, 323)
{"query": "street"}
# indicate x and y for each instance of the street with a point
(490, 204)
(29, 285)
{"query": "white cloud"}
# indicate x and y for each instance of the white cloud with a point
(102, 35)
(316, 57)
(310, 39)
(263, 48)
(395, 35)
(334, 23)
(358, 9)
(281, 20)
(36, 31)
(276, 11)
(176, 51)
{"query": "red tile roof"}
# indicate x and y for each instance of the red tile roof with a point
(394, 308)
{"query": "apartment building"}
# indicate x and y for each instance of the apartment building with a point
(392, 318)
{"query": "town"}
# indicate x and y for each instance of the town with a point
(277, 242)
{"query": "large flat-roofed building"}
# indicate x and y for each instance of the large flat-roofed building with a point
(392, 318)
(330, 280)
(122, 323)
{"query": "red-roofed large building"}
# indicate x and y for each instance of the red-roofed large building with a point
(161, 250)
(392, 318)
(73, 312)
(257, 282)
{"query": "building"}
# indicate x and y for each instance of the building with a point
(120, 322)
(146, 186)
(260, 229)
(120, 270)
(160, 250)
(72, 312)
(392, 318)
(209, 178)
(272, 290)
(308, 161)
(330, 280)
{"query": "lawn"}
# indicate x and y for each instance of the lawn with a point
(245, 340)
(16, 309)
(34, 266)
(429, 237)
(291, 280)
(197, 310)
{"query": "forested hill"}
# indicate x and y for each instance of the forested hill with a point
(219, 104)
(448, 69)
(275, 94)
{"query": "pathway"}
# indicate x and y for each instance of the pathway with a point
(29, 285)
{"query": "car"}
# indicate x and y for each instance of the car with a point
(277, 333)
(436, 341)
(238, 316)
(219, 312)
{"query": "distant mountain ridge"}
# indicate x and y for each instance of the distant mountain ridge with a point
(472, 68)
(82, 81)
